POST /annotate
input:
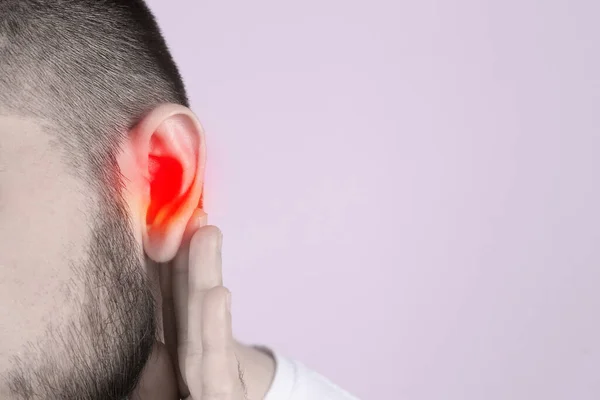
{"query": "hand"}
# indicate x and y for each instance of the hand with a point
(198, 360)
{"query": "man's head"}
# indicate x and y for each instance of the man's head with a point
(101, 166)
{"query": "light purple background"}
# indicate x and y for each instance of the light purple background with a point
(409, 191)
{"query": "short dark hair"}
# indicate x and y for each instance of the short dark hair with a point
(91, 69)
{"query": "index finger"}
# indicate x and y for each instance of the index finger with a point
(174, 288)
(204, 273)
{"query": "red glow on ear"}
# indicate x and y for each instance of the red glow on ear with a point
(166, 177)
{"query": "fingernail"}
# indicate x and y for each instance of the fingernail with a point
(229, 301)
(220, 240)
(202, 218)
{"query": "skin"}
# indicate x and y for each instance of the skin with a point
(82, 277)
(207, 354)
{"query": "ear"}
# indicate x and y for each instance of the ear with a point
(162, 162)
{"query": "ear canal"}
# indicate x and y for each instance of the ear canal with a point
(166, 178)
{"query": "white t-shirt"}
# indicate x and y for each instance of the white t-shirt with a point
(294, 381)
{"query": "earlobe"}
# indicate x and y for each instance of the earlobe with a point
(170, 152)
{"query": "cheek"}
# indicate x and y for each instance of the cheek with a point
(34, 274)
(42, 230)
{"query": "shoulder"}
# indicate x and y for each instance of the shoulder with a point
(295, 381)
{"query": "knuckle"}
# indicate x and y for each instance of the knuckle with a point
(195, 355)
(219, 292)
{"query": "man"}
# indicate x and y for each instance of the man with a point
(104, 249)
